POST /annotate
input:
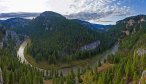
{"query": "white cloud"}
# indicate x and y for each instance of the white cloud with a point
(63, 6)
(87, 5)
(95, 9)
(79, 9)
(60, 6)
(23, 5)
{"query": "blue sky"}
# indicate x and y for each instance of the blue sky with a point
(96, 11)
(139, 6)
(111, 10)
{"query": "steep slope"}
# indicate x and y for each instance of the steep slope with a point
(12, 70)
(55, 38)
(127, 26)
(128, 65)
(129, 62)
(1, 37)
(129, 31)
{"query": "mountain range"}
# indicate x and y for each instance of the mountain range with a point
(26, 16)
(93, 25)
(55, 37)
(56, 40)
(18, 15)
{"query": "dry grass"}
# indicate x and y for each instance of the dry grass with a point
(45, 65)
(143, 80)
(104, 67)
(47, 81)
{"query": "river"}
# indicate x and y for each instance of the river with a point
(20, 55)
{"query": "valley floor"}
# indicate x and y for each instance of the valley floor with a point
(65, 68)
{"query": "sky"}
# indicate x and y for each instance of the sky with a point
(96, 11)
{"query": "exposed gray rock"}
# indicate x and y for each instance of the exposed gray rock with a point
(2, 43)
(13, 36)
(1, 77)
(142, 19)
(141, 52)
(90, 46)
(126, 32)
(130, 22)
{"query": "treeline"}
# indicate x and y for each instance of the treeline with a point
(15, 72)
(1, 35)
(127, 68)
(53, 37)
(127, 65)
(130, 25)
(66, 47)
(66, 55)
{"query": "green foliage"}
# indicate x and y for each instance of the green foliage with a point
(1, 36)
(57, 39)
(128, 65)
(15, 72)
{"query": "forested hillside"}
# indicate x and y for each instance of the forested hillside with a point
(127, 26)
(14, 72)
(57, 39)
(1, 35)
(125, 67)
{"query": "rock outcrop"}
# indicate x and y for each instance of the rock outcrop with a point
(13, 36)
(2, 43)
(126, 32)
(90, 46)
(130, 23)
(1, 77)
(141, 52)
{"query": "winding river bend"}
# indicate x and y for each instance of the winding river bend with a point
(20, 55)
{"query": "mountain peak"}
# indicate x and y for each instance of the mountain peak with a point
(50, 14)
